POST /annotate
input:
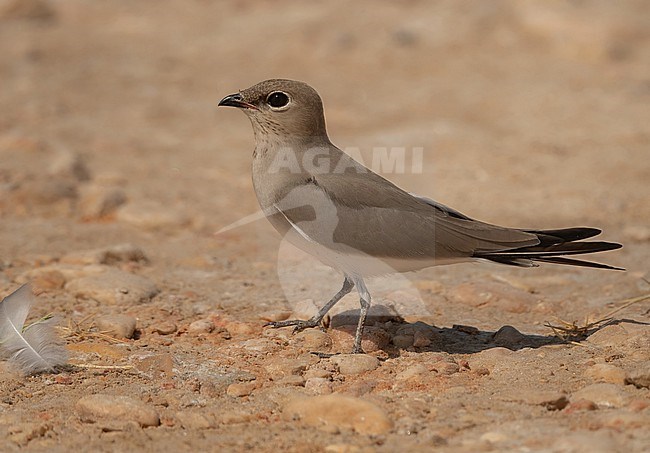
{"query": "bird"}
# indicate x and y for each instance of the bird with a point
(361, 224)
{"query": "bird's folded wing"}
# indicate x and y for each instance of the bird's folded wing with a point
(366, 213)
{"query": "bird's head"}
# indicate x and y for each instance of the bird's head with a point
(287, 109)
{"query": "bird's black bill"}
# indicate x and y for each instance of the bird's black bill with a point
(236, 100)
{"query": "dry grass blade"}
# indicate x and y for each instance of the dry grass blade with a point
(84, 330)
(572, 331)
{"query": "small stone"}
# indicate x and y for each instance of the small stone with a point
(317, 372)
(355, 363)
(314, 339)
(22, 433)
(604, 395)
(580, 405)
(295, 380)
(202, 326)
(97, 201)
(239, 389)
(239, 328)
(550, 399)
(421, 339)
(335, 412)
(93, 408)
(604, 372)
(281, 367)
(345, 448)
(447, 368)
(111, 255)
(69, 165)
(494, 437)
(113, 286)
(47, 279)
(412, 372)
(403, 341)
(155, 364)
(318, 385)
(275, 316)
(372, 340)
(193, 420)
(164, 328)
(117, 326)
(640, 376)
(508, 336)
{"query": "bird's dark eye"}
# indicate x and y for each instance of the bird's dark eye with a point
(277, 99)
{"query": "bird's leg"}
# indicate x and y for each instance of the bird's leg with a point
(300, 324)
(364, 300)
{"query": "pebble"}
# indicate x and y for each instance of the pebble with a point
(47, 278)
(274, 316)
(164, 328)
(550, 399)
(193, 420)
(156, 364)
(447, 368)
(113, 286)
(603, 394)
(117, 326)
(239, 389)
(69, 165)
(314, 339)
(604, 372)
(295, 380)
(93, 408)
(281, 367)
(22, 433)
(333, 413)
(421, 339)
(355, 363)
(508, 336)
(346, 448)
(200, 326)
(111, 255)
(318, 385)
(239, 328)
(373, 339)
(96, 201)
(640, 376)
(317, 372)
(414, 371)
(403, 341)
(580, 405)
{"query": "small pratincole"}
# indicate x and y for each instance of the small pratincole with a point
(360, 223)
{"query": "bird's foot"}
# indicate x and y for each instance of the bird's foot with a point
(298, 324)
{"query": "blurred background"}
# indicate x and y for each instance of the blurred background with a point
(529, 114)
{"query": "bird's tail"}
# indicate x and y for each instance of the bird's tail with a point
(554, 247)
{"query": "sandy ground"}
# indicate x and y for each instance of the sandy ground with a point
(116, 169)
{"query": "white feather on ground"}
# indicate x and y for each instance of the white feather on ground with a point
(33, 349)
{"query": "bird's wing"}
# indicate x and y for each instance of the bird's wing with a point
(361, 211)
